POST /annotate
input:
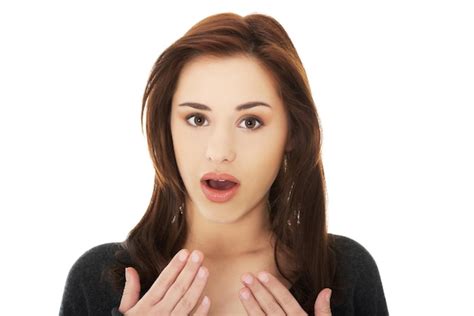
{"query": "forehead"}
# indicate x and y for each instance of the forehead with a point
(225, 80)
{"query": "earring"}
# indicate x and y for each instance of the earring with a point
(297, 218)
(285, 168)
(291, 191)
(295, 214)
(181, 207)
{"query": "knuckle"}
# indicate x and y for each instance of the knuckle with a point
(273, 309)
(169, 274)
(259, 312)
(286, 301)
(186, 304)
(160, 310)
(180, 288)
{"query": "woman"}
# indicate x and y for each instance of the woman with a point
(239, 186)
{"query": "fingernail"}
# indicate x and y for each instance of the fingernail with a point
(248, 279)
(195, 256)
(328, 296)
(262, 276)
(201, 272)
(183, 254)
(205, 301)
(126, 274)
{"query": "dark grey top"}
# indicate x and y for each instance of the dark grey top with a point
(85, 293)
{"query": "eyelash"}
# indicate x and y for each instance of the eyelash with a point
(247, 118)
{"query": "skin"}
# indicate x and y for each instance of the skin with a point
(223, 143)
(249, 145)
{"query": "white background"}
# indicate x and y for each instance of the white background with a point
(393, 84)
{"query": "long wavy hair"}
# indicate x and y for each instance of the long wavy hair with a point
(297, 197)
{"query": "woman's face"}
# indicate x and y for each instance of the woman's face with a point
(248, 144)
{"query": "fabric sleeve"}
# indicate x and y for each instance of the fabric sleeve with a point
(369, 296)
(87, 292)
(74, 300)
(115, 312)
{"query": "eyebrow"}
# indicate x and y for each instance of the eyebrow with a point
(240, 107)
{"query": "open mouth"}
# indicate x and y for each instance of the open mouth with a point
(220, 184)
(219, 191)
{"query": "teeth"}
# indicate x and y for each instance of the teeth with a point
(218, 180)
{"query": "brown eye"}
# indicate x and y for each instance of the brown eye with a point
(196, 118)
(250, 123)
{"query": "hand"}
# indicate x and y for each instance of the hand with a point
(175, 291)
(270, 297)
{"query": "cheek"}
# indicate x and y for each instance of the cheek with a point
(184, 150)
(262, 163)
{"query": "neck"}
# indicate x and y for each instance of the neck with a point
(249, 234)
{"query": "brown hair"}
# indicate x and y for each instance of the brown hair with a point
(297, 195)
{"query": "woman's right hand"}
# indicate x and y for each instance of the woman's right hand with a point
(175, 292)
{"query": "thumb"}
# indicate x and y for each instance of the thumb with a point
(322, 306)
(131, 291)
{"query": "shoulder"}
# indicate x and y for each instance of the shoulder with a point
(89, 267)
(351, 252)
(86, 291)
(359, 274)
(96, 256)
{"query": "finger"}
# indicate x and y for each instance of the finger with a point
(322, 306)
(249, 302)
(203, 307)
(166, 278)
(281, 294)
(181, 285)
(264, 298)
(131, 291)
(190, 299)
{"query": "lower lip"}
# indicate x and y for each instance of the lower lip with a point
(218, 195)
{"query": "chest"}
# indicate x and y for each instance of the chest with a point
(223, 284)
(225, 302)
(223, 290)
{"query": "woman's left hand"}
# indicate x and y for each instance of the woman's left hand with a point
(266, 295)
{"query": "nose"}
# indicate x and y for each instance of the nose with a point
(220, 147)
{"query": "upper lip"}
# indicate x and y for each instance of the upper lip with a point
(219, 176)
